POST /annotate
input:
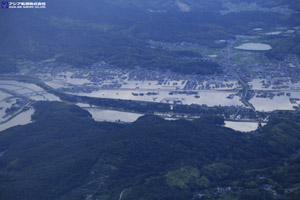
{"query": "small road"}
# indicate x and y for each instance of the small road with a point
(121, 195)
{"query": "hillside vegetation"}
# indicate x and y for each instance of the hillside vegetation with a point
(65, 154)
(84, 32)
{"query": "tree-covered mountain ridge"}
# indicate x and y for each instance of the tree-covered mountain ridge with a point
(65, 154)
(80, 33)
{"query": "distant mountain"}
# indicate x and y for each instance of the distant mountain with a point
(83, 32)
(64, 154)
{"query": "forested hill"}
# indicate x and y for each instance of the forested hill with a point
(64, 154)
(83, 32)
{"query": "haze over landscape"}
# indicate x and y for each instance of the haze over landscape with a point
(150, 100)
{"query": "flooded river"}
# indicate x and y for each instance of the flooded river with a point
(170, 91)
(242, 126)
(32, 91)
(207, 97)
(15, 94)
(21, 119)
(112, 116)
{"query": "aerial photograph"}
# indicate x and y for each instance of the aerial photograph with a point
(150, 100)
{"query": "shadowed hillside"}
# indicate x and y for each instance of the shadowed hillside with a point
(64, 154)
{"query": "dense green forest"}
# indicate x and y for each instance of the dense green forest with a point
(284, 46)
(65, 154)
(83, 32)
